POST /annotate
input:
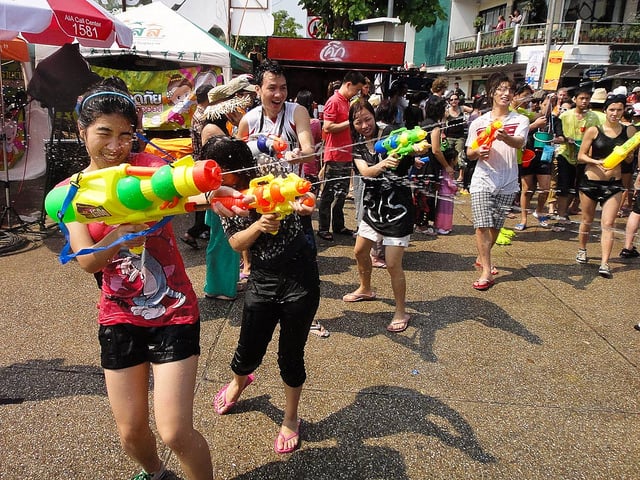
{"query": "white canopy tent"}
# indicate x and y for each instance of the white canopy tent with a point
(160, 33)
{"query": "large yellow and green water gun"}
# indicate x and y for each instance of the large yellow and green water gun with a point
(132, 194)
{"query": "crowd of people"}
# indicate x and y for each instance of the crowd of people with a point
(401, 158)
(547, 153)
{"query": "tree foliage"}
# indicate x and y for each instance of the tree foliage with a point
(337, 16)
(283, 26)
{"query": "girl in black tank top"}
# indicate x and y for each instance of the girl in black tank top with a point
(603, 145)
(600, 185)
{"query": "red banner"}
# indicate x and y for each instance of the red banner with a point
(385, 54)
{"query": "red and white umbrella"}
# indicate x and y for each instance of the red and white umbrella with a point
(56, 22)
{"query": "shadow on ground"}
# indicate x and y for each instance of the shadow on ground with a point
(377, 412)
(37, 380)
(431, 317)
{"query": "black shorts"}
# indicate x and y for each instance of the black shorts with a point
(636, 202)
(536, 167)
(124, 345)
(601, 190)
(566, 181)
(627, 167)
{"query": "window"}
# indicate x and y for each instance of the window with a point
(490, 17)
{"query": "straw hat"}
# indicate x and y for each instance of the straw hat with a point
(235, 96)
(539, 95)
(239, 84)
(599, 95)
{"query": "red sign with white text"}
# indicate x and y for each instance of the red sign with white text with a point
(335, 51)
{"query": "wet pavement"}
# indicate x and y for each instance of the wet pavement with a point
(535, 378)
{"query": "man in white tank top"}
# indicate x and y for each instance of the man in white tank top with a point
(279, 117)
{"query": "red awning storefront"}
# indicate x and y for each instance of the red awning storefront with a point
(338, 53)
(330, 60)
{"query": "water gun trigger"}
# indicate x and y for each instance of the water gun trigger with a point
(169, 203)
(308, 202)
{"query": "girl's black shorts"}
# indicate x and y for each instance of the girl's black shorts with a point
(124, 345)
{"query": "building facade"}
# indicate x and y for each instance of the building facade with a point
(599, 41)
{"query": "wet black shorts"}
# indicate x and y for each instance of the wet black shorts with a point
(636, 202)
(537, 166)
(627, 167)
(600, 190)
(125, 345)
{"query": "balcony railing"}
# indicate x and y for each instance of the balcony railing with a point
(563, 33)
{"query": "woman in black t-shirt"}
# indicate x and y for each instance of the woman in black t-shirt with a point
(387, 212)
(456, 129)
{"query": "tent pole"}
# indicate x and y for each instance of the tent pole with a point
(8, 208)
(244, 10)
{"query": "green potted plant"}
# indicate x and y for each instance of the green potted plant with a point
(604, 34)
(633, 29)
(505, 38)
(478, 23)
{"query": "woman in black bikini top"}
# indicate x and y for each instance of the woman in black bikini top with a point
(600, 184)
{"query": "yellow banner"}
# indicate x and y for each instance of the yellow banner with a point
(166, 97)
(553, 70)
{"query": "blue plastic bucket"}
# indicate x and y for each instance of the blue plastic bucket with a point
(540, 139)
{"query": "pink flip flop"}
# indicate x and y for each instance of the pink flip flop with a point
(222, 393)
(286, 439)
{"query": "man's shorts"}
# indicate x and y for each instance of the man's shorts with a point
(365, 231)
(490, 210)
(125, 345)
(537, 166)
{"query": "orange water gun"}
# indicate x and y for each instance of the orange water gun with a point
(131, 194)
(269, 194)
(487, 136)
